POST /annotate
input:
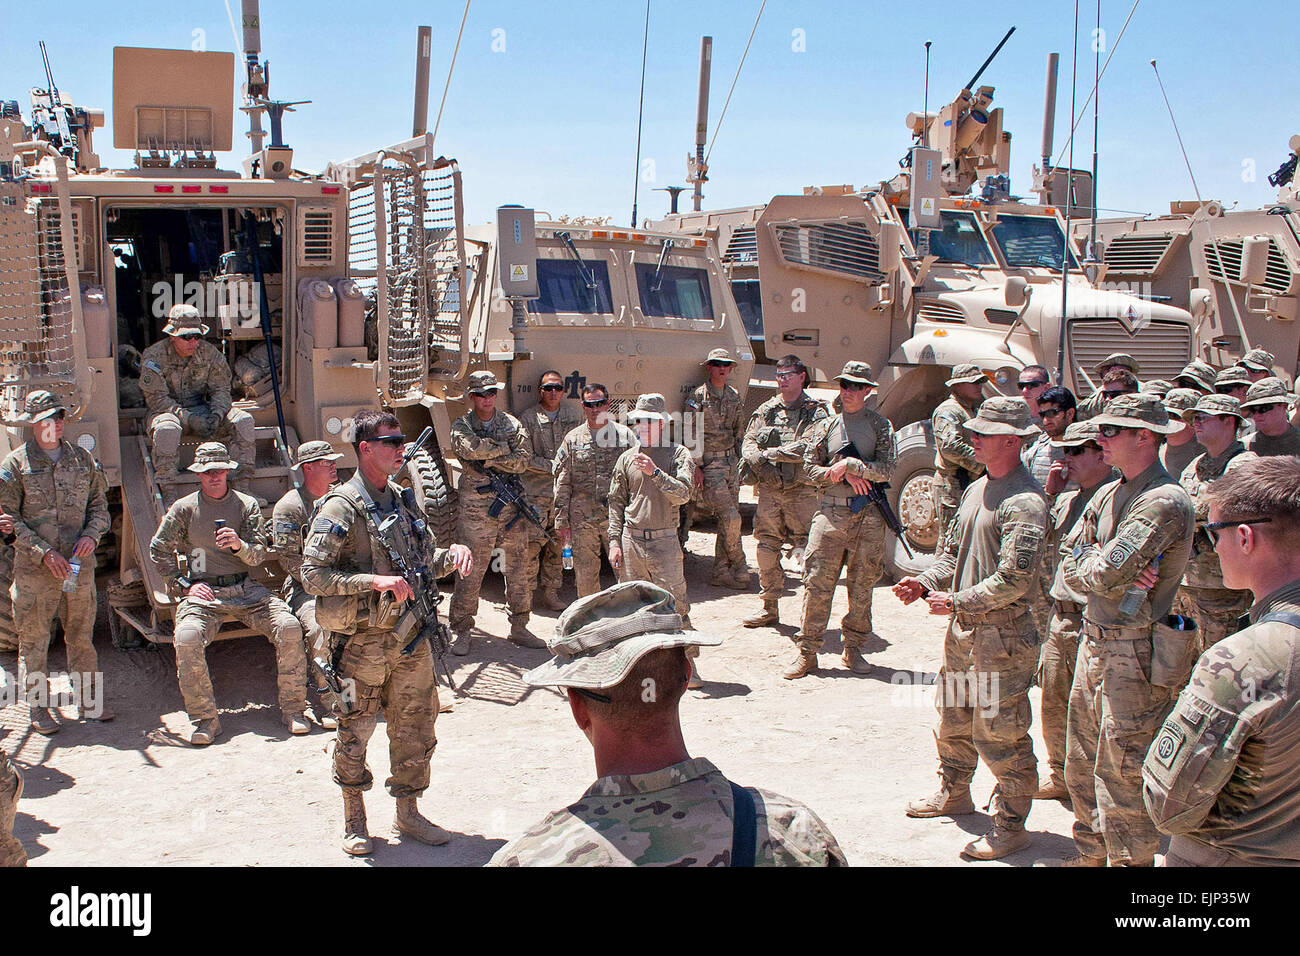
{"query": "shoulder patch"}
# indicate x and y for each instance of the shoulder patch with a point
(323, 525)
(286, 527)
(6, 474)
(1120, 551)
(1168, 744)
(153, 366)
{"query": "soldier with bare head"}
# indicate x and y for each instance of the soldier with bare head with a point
(984, 580)
(186, 386)
(1034, 380)
(1094, 403)
(955, 466)
(1223, 776)
(621, 656)
(55, 493)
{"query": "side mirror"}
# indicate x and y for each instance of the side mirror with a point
(1016, 292)
(1254, 260)
(1198, 303)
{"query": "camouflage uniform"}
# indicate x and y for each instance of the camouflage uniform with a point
(786, 502)
(1217, 610)
(545, 433)
(1114, 709)
(990, 561)
(187, 528)
(721, 423)
(1223, 776)
(1288, 443)
(643, 516)
(191, 396)
(1176, 458)
(11, 789)
(1262, 394)
(500, 444)
(955, 466)
(340, 562)
(584, 465)
(681, 815)
(53, 504)
(841, 536)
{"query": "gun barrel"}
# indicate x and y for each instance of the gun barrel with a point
(980, 72)
(419, 443)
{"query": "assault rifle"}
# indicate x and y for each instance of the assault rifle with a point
(876, 496)
(509, 491)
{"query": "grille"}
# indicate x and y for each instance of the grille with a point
(1162, 348)
(742, 246)
(315, 237)
(841, 247)
(1137, 253)
(934, 310)
(1277, 278)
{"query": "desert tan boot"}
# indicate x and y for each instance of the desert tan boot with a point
(764, 618)
(356, 837)
(1000, 841)
(855, 662)
(950, 800)
(410, 822)
(802, 665)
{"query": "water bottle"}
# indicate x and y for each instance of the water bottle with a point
(70, 582)
(1134, 596)
(566, 553)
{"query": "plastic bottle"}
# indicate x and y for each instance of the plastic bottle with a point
(1134, 596)
(70, 582)
(566, 553)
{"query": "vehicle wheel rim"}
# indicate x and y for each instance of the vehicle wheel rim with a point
(916, 512)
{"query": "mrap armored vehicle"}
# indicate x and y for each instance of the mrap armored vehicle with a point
(358, 286)
(940, 265)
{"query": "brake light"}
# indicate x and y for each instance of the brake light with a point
(40, 188)
(164, 189)
(191, 189)
(218, 189)
(329, 190)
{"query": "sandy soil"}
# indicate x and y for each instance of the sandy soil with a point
(855, 748)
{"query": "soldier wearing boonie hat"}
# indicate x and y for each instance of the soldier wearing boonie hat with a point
(984, 578)
(1180, 447)
(1203, 597)
(186, 385)
(955, 466)
(1157, 386)
(1258, 364)
(315, 459)
(1266, 403)
(1198, 375)
(620, 658)
(54, 492)
(1124, 529)
(722, 427)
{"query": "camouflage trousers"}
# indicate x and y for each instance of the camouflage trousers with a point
(380, 677)
(947, 495)
(784, 514)
(1056, 677)
(484, 535)
(587, 538)
(658, 560)
(165, 431)
(197, 623)
(836, 539)
(11, 788)
(720, 497)
(543, 556)
(1216, 611)
(982, 695)
(314, 640)
(1115, 713)
(36, 599)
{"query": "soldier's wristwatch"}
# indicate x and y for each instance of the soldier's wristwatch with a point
(948, 603)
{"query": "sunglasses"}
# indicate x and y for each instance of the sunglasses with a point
(790, 374)
(1111, 431)
(718, 364)
(1230, 389)
(56, 417)
(1049, 412)
(853, 387)
(552, 388)
(189, 336)
(1262, 409)
(392, 441)
(1200, 418)
(1214, 527)
(596, 403)
(1079, 450)
(1037, 383)
(1112, 392)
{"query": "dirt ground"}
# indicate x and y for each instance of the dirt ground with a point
(855, 748)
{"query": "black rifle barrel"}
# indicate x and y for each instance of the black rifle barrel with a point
(980, 72)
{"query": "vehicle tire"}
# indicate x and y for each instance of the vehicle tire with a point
(434, 495)
(911, 492)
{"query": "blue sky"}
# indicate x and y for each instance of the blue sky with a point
(548, 118)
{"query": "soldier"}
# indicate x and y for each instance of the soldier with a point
(1180, 447)
(1197, 375)
(1158, 387)
(1223, 776)
(1085, 468)
(1115, 709)
(653, 804)
(220, 531)
(990, 560)
(721, 423)
(11, 790)
(1233, 380)
(1203, 597)
(773, 451)
(546, 424)
(1258, 364)
(584, 465)
(186, 386)
(360, 591)
(292, 513)
(1034, 379)
(844, 454)
(1266, 404)
(487, 438)
(649, 484)
(1056, 408)
(1093, 404)
(955, 466)
(56, 494)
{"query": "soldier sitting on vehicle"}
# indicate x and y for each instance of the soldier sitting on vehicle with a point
(220, 531)
(653, 804)
(186, 386)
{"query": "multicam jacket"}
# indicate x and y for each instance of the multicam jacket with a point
(1203, 569)
(200, 383)
(545, 433)
(678, 816)
(954, 454)
(52, 503)
(781, 467)
(499, 443)
(584, 466)
(723, 420)
(878, 452)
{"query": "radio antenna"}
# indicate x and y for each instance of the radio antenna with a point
(925, 100)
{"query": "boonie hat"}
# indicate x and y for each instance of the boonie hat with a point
(316, 451)
(40, 405)
(857, 372)
(599, 638)
(210, 456)
(1200, 374)
(1137, 410)
(1078, 433)
(1268, 391)
(1259, 360)
(1157, 386)
(1232, 375)
(483, 381)
(184, 320)
(1003, 415)
(1118, 358)
(1215, 405)
(650, 405)
(1179, 400)
(966, 373)
(719, 355)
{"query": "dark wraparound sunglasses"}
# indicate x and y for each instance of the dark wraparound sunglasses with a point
(1080, 449)
(1263, 409)
(1032, 384)
(1111, 431)
(392, 441)
(595, 403)
(1214, 527)
(552, 388)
